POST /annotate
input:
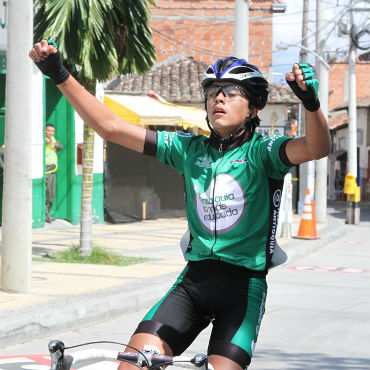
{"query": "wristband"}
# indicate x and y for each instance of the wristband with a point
(309, 98)
(53, 66)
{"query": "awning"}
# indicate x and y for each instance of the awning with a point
(143, 110)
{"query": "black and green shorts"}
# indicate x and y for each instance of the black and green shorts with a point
(211, 291)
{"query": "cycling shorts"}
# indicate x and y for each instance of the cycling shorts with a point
(214, 292)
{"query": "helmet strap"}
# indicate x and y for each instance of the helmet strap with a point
(224, 142)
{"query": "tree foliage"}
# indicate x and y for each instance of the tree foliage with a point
(100, 38)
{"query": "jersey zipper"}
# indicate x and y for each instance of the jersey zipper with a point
(213, 204)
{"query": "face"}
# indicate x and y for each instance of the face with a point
(49, 131)
(227, 113)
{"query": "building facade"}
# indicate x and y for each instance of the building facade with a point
(338, 124)
(204, 30)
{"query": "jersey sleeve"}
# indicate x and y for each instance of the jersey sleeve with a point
(171, 148)
(273, 155)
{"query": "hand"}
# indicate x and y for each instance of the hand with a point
(301, 80)
(41, 51)
(297, 76)
(48, 60)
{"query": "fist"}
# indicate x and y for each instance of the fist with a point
(298, 76)
(41, 51)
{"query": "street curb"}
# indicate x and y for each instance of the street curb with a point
(71, 312)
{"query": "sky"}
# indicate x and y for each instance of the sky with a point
(287, 28)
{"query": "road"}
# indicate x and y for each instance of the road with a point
(317, 314)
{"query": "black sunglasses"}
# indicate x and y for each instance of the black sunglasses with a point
(232, 92)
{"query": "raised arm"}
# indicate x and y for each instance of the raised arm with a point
(316, 143)
(94, 113)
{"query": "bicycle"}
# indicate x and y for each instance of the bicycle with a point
(149, 357)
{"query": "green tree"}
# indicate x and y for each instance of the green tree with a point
(97, 39)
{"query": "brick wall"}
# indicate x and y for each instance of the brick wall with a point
(339, 82)
(205, 30)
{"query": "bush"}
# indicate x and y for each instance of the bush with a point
(99, 256)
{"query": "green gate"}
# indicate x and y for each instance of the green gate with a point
(67, 204)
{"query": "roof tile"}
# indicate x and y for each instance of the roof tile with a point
(178, 80)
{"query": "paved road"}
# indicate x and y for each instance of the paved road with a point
(317, 314)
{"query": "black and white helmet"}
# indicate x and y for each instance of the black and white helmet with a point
(241, 72)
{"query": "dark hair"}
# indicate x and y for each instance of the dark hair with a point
(49, 125)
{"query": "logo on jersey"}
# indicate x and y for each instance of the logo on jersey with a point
(261, 313)
(276, 198)
(168, 137)
(204, 162)
(222, 206)
(239, 161)
(271, 140)
(183, 134)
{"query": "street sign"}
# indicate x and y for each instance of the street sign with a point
(267, 131)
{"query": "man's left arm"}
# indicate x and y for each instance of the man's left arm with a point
(316, 143)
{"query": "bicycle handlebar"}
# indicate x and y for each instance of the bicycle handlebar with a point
(149, 359)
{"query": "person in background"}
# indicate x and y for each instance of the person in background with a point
(51, 166)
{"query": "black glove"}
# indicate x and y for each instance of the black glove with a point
(309, 98)
(53, 67)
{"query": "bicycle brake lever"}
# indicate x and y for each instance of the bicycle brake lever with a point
(200, 360)
(56, 350)
(145, 356)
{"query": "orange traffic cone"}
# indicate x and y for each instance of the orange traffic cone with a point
(307, 226)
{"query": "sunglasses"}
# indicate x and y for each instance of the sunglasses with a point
(231, 92)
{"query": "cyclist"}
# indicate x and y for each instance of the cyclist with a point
(233, 183)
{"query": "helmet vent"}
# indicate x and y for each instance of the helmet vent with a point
(209, 70)
(238, 70)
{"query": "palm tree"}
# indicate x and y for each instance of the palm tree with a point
(97, 39)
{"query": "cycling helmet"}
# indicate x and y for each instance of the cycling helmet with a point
(241, 72)
(232, 69)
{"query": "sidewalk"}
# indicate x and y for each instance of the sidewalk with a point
(67, 296)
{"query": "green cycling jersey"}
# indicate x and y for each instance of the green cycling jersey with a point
(232, 197)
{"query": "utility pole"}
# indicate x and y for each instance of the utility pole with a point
(306, 170)
(323, 76)
(352, 207)
(303, 52)
(241, 30)
(17, 194)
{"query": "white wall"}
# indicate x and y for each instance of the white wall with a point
(362, 125)
(275, 113)
(3, 24)
(98, 141)
(341, 137)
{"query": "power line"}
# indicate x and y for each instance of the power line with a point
(199, 48)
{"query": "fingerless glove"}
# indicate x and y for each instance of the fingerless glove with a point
(308, 98)
(53, 67)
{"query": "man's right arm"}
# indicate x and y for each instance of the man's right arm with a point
(94, 113)
(102, 120)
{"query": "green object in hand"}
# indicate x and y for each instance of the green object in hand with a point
(52, 42)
